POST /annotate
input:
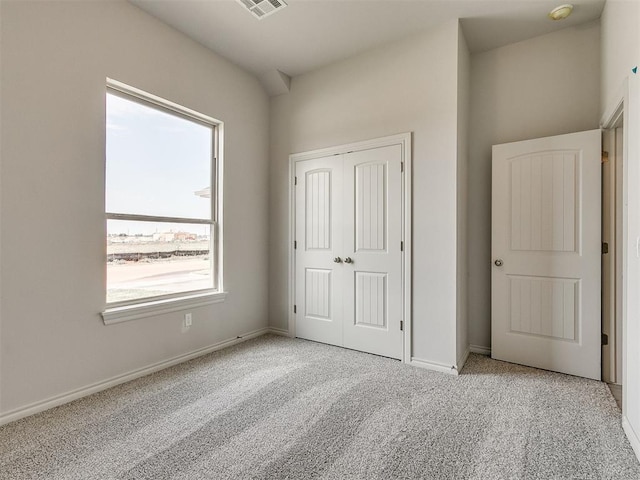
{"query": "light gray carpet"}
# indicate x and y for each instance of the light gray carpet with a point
(277, 408)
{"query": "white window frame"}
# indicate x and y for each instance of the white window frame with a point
(117, 312)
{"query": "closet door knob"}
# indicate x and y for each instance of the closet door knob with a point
(348, 260)
(498, 263)
(337, 260)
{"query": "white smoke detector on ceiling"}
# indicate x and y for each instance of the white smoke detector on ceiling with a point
(263, 8)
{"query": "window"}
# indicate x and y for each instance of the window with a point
(161, 200)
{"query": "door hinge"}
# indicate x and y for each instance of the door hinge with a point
(295, 309)
(295, 245)
(605, 157)
(401, 166)
(401, 325)
(402, 246)
(295, 180)
(605, 339)
(605, 247)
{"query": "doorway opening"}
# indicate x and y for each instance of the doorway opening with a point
(612, 258)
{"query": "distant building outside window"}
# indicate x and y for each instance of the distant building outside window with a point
(161, 199)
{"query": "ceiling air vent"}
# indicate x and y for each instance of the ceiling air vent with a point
(263, 8)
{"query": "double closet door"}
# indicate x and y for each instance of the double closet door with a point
(348, 230)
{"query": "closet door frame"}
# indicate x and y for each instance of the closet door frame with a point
(404, 140)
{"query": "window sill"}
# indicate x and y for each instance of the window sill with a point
(142, 310)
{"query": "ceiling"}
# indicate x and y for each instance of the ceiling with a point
(309, 34)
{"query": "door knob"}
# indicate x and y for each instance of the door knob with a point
(348, 260)
(337, 260)
(498, 263)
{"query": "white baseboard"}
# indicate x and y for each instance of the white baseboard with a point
(480, 350)
(61, 399)
(632, 436)
(438, 367)
(279, 331)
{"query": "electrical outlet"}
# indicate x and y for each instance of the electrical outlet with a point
(188, 320)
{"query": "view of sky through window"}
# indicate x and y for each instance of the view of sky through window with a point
(156, 162)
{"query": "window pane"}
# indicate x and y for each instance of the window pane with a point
(157, 163)
(148, 259)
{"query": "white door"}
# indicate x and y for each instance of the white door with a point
(348, 250)
(319, 240)
(545, 300)
(373, 232)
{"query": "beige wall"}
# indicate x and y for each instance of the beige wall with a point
(55, 59)
(408, 86)
(545, 86)
(620, 48)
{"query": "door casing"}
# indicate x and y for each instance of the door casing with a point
(626, 104)
(404, 140)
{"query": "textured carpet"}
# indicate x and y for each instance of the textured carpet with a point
(275, 407)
